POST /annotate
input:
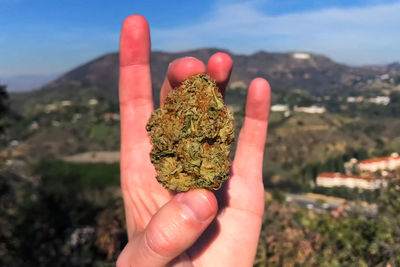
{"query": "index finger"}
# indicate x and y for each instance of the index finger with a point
(135, 94)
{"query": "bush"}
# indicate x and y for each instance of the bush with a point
(78, 176)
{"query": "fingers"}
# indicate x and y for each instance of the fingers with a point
(250, 149)
(178, 71)
(219, 68)
(134, 81)
(172, 230)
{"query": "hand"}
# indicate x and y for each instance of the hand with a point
(186, 229)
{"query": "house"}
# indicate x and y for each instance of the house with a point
(311, 109)
(351, 166)
(350, 181)
(93, 102)
(279, 108)
(385, 76)
(238, 85)
(380, 100)
(376, 164)
(50, 108)
(66, 103)
(111, 117)
(34, 126)
(354, 99)
(234, 108)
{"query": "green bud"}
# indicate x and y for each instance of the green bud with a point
(191, 136)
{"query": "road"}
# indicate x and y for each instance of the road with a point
(321, 203)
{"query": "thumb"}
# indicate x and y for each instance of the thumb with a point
(172, 230)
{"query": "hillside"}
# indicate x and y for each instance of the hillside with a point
(60, 129)
(285, 71)
(57, 130)
(294, 141)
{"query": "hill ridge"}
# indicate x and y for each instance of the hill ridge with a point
(317, 74)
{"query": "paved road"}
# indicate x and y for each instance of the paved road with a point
(328, 204)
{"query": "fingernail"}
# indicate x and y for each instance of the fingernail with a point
(196, 204)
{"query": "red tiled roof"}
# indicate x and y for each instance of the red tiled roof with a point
(368, 161)
(330, 174)
(340, 175)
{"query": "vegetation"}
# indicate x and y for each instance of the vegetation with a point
(292, 236)
(66, 130)
(67, 215)
(302, 145)
(3, 99)
(70, 214)
(78, 176)
(3, 109)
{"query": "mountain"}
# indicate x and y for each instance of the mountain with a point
(28, 82)
(395, 66)
(314, 73)
(294, 140)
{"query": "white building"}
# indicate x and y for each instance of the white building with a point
(350, 181)
(279, 108)
(234, 108)
(380, 100)
(351, 166)
(355, 99)
(50, 108)
(66, 103)
(34, 126)
(385, 76)
(311, 109)
(93, 102)
(111, 116)
(376, 164)
(237, 85)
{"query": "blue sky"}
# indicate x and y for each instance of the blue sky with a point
(47, 36)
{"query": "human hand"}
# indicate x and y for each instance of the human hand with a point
(186, 229)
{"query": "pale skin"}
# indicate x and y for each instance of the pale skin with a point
(199, 227)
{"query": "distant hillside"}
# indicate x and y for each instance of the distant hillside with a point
(29, 82)
(285, 71)
(394, 66)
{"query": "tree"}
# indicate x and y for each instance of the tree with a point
(298, 97)
(395, 103)
(3, 105)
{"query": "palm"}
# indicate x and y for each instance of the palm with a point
(145, 199)
(240, 201)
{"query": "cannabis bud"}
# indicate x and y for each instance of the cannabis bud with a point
(191, 135)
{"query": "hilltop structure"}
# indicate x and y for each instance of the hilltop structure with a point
(311, 109)
(280, 108)
(350, 181)
(380, 164)
(369, 178)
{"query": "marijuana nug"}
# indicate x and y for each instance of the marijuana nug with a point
(191, 135)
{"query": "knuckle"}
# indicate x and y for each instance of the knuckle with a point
(161, 241)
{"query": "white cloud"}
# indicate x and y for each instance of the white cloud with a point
(360, 35)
